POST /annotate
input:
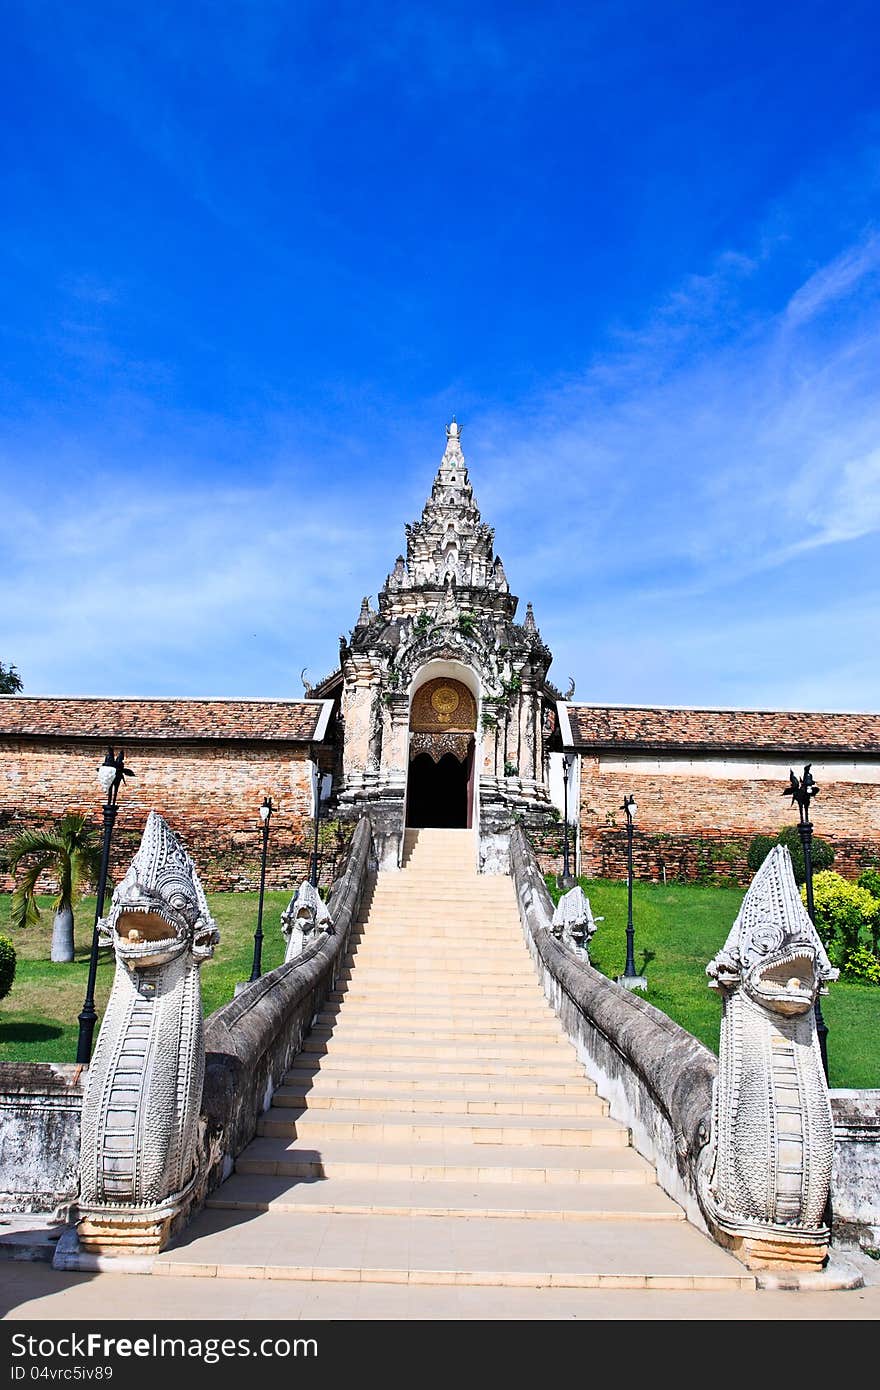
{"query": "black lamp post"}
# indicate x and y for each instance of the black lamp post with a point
(265, 813)
(567, 880)
(111, 774)
(630, 978)
(802, 790)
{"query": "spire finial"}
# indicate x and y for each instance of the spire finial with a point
(453, 430)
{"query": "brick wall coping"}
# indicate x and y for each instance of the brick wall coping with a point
(679, 728)
(110, 719)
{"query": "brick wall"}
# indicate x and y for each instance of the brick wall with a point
(699, 826)
(208, 792)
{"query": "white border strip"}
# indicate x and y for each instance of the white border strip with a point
(323, 721)
(717, 709)
(564, 723)
(176, 699)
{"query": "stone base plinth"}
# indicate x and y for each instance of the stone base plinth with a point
(779, 1254)
(124, 1235)
(132, 1230)
(633, 982)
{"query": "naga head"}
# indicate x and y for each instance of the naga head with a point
(773, 952)
(305, 910)
(573, 918)
(159, 909)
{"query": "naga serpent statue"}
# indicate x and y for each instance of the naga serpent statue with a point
(573, 921)
(141, 1106)
(304, 917)
(765, 1175)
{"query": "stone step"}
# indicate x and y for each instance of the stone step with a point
(564, 1069)
(424, 1052)
(417, 963)
(303, 1073)
(442, 1162)
(444, 905)
(391, 1014)
(545, 1201)
(420, 945)
(406, 974)
(411, 916)
(527, 1131)
(323, 1095)
(447, 885)
(443, 1250)
(478, 1032)
(395, 934)
(388, 990)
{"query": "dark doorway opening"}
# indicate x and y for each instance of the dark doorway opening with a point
(439, 793)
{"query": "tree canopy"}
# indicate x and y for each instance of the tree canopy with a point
(10, 680)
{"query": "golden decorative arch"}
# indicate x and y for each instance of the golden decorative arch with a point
(443, 705)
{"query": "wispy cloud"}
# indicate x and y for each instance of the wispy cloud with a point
(833, 281)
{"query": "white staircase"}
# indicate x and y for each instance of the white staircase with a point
(437, 1127)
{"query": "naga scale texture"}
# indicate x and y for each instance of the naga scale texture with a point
(766, 1173)
(141, 1106)
(304, 918)
(573, 921)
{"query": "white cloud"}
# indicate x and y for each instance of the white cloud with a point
(831, 282)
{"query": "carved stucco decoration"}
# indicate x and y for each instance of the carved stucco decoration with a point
(766, 1173)
(573, 921)
(438, 745)
(443, 704)
(141, 1105)
(303, 920)
(441, 644)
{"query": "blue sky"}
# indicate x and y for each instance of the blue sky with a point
(256, 254)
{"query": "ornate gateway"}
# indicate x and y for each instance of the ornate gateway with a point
(443, 705)
(141, 1106)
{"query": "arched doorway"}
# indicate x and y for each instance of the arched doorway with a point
(440, 786)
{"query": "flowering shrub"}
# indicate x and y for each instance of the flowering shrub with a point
(862, 964)
(845, 913)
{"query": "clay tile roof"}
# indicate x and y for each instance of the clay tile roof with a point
(741, 730)
(276, 721)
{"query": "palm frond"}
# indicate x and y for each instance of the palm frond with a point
(33, 842)
(23, 910)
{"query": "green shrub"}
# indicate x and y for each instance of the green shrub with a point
(869, 879)
(862, 964)
(761, 845)
(7, 966)
(844, 911)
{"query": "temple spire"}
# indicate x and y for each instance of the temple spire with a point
(453, 443)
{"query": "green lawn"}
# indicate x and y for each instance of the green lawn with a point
(683, 926)
(38, 1018)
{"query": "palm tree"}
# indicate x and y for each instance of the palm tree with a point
(72, 853)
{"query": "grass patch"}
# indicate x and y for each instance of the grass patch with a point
(681, 926)
(38, 1018)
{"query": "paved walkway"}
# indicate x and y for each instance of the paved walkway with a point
(35, 1291)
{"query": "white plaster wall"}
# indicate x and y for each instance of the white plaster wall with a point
(735, 768)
